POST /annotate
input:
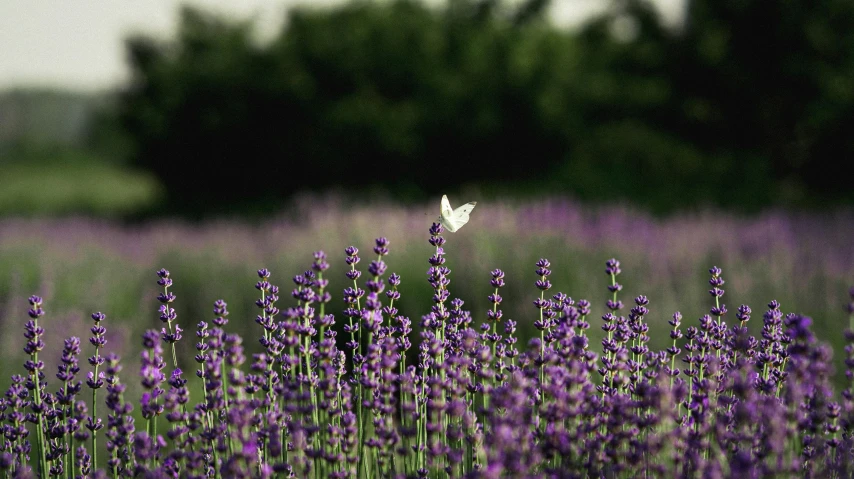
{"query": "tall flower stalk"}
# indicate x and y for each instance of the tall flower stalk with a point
(609, 345)
(353, 298)
(65, 398)
(36, 384)
(544, 323)
(95, 380)
(323, 296)
(167, 313)
(433, 355)
(120, 422)
(151, 404)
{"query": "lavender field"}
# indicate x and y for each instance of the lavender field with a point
(805, 261)
(779, 262)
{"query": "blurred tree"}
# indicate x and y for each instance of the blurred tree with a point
(201, 110)
(748, 103)
(742, 105)
(394, 94)
(774, 80)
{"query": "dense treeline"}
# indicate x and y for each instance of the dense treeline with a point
(747, 104)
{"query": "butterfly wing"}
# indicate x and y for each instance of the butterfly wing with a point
(446, 207)
(452, 219)
(446, 215)
(465, 209)
(461, 215)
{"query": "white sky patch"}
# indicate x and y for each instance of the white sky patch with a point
(78, 44)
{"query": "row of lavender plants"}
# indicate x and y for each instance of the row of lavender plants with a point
(357, 395)
(82, 265)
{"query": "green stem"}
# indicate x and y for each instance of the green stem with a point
(38, 400)
(174, 355)
(718, 351)
(610, 338)
(307, 355)
(542, 337)
(402, 403)
(224, 388)
(358, 349)
(95, 418)
(69, 455)
(209, 419)
(322, 305)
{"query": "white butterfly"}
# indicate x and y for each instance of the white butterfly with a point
(454, 219)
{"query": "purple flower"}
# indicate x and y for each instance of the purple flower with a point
(36, 310)
(716, 282)
(612, 267)
(543, 272)
(497, 282)
(381, 248)
(462, 398)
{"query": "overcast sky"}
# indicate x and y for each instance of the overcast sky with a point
(78, 44)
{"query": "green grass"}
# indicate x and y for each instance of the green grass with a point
(70, 187)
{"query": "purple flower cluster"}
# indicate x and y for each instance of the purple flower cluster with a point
(466, 401)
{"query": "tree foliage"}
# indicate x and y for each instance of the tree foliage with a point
(746, 104)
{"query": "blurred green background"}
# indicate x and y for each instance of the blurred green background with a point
(715, 140)
(742, 104)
